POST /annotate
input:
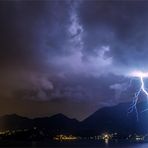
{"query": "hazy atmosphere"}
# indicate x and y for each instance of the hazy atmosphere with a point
(70, 57)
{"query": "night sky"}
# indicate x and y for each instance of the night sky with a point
(70, 57)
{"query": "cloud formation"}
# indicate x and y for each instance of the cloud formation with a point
(71, 51)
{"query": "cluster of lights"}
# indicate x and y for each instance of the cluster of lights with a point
(65, 137)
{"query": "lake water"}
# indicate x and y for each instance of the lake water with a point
(72, 145)
(99, 146)
(142, 145)
(138, 145)
(91, 145)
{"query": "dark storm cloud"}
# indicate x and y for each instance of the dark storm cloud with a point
(15, 28)
(73, 53)
(122, 25)
(26, 27)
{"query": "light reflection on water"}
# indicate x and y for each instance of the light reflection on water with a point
(107, 145)
(141, 145)
(115, 146)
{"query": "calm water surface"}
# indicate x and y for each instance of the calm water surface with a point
(91, 145)
(72, 145)
(107, 146)
(140, 145)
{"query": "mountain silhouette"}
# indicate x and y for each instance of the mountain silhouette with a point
(58, 121)
(107, 119)
(111, 119)
(117, 119)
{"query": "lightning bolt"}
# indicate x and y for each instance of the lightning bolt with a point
(142, 88)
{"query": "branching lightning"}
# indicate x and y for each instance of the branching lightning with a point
(142, 88)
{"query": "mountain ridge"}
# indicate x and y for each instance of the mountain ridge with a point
(111, 119)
